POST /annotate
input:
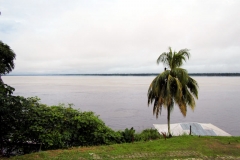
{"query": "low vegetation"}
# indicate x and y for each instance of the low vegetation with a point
(182, 147)
(28, 126)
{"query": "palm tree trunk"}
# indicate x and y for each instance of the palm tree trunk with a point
(168, 119)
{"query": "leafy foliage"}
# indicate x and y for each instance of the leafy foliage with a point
(6, 58)
(147, 134)
(9, 114)
(128, 135)
(27, 125)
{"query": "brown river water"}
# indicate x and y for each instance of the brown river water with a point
(121, 101)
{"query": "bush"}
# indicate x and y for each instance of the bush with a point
(27, 125)
(61, 127)
(147, 134)
(128, 135)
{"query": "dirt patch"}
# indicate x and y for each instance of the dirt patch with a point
(36, 157)
(84, 149)
(110, 149)
(238, 146)
(215, 145)
(54, 153)
(223, 147)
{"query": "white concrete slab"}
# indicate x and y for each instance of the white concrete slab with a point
(203, 129)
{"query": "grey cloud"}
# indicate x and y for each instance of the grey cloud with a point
(121, 36)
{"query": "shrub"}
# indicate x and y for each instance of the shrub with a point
(27, 125)
(128, 135)
(147, 134)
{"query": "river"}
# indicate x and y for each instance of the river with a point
(121, 101)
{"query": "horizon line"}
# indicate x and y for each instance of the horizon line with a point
(117, 74)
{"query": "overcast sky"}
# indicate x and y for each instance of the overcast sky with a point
(124, 36)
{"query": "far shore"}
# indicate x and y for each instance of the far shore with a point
(126, 74)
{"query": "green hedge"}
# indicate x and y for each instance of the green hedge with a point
(28, 126)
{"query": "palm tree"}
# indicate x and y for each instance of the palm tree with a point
(6, 59)
(173, 85)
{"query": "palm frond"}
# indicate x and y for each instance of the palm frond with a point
(173, 86)
(181, 74)
(193, 87)
(183, 109)
(173, 59)
(163, 58)
(184, 53)
(188, 98)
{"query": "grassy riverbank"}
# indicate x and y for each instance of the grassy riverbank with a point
(174, 148)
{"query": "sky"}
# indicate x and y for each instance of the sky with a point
(120, 36)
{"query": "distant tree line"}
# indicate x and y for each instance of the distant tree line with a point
(130, 74)
(214, 74)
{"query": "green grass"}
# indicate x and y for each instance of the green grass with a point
(173, 148)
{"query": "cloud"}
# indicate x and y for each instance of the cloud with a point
(120, 36)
